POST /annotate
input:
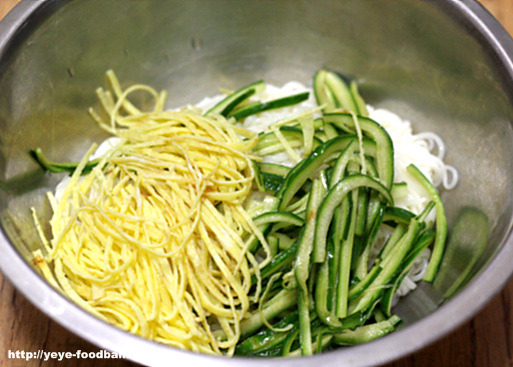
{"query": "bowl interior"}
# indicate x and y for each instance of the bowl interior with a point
(422, 60)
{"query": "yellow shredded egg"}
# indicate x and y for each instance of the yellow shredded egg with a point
(154, 238)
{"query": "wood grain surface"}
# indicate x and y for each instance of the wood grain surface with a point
(486, 340)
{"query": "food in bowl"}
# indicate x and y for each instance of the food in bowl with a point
(271, 221)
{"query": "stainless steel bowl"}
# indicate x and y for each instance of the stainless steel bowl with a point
(445, 65)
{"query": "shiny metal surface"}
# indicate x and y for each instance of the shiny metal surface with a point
(445, 65)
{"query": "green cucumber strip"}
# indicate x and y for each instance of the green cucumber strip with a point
(258, 177)
(266, 339)
(384, 147)
(369, 312)
(291, 338)
(275, 169)
(322, 294)
(231, 101)
(317, 124)
(278, 217)
(333, 199)
(358, 100)
(441, 223)
(268, 143)
(341, 222)
(302, 262)
(399, 190)
(305, 333)
(323, 177)
(301, 172)
(331, 91)
(350, 322)
(279, 261)
(360, 257)
(366, 333)
(379, 316)
(269, 176)
(256, 207)
(374, 209)
(322, 341)
(340, 91)
(302, 266)
(369, 163)
(422, 216)
(56, 167)
(321, 135)
(358, 288)
(360, 270)
(390, 265)
(330, 131)
(324, 334)
(264, 137)
(397, 215)
(344, 266)
(273, 243)
(363, 205)
(354, 281)
(271, 182)
(307, 126)
(323, 94)
(294, 341)
(266, 182)
(284, 241)
(269, 139)
(301, 214)
(269, 206)
(392, 241)
(298, 205)
(277, 147)
(244, 112)
(424, 240)
(284, 300)
(339, 168)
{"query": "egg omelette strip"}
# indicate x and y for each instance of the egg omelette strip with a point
(154, 238)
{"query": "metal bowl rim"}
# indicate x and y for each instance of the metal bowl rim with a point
(400, 343)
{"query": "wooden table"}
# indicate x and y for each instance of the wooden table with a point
(486, 340)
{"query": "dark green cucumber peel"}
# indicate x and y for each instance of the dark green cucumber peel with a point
(332, 92)
(441, 223)
(333, 199)
(322, 154)
(302, 266)
(366, 333)
(233, 100)
(370, 128)
(266, 339)
(245, 111)
(56, 167)
(281, 217)
(422, 243)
